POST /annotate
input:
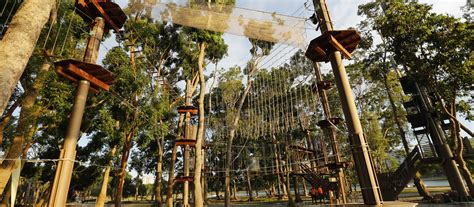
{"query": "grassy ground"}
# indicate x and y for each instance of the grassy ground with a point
(409, 194)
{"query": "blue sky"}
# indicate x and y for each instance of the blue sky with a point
(343, 14)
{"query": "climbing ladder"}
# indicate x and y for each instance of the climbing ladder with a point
(188, 139)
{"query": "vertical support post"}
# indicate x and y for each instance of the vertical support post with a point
(187, 135)
(56, 177)
(331, 132)
(67, 160)
(437, 135)
(66, 165)
(360, 150)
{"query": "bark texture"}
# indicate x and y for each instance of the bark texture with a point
(123, 166)
(159, 173)
(103, 190)
(26, 126)
(198, 200)
(230, 141)
(19, 42)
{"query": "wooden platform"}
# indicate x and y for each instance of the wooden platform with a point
(188, 109)
(337, 165)
(184, 142)
(112, 13)
(182, 179)
(325, 85)
(408, 85)
(327, 123)
(75, 70)
(344, 41)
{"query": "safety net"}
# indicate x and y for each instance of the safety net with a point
(231, 19)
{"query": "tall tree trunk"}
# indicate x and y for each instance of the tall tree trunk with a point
(18, 44)
(103, 190)
(231, 139)
(272, 189)
(159, 174)
(137, 187)
(291, 203)
(282, 171)
(420, 185)
(277, 168)
(169, 188)
(297, 190)
(305, 190)
(205, 186)
(26, 125)
(5, 120)
(249, 186)
(218, 197)
(295, 168)
(234, 190)
(123, 166)
(455, 134)
(198, 156)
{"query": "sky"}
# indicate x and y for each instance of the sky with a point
(343, 14)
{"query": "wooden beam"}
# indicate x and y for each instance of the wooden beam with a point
(339, 47)
(59, 70)
(184, 179)
(184, 142)
(94, 81)
(106, 16)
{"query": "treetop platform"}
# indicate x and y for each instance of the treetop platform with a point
(182, 179)
(188, 109)
(329, 122)
(325, 85)
(112, 13)
(185, 142)
(75, 70)
(344, 41)
(337, 165)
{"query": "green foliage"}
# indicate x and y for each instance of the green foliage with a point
(436, 46)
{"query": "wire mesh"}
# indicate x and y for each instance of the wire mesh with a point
(261, 25)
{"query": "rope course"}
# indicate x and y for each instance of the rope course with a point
(279, 110)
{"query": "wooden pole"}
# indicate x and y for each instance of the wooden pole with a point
(66, 165)
(331, 132)
(360, 150)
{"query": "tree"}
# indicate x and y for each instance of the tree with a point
(23, 32)
(436, 47)
(34, 81)
(130, 86)
(259, 50)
